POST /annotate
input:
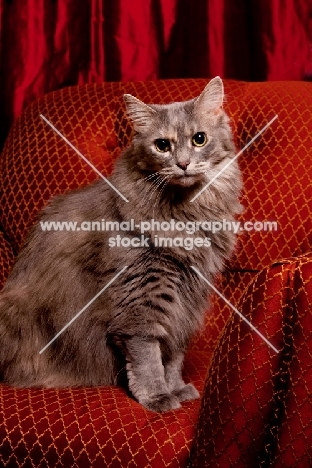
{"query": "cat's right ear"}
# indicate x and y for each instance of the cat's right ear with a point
(141, 114)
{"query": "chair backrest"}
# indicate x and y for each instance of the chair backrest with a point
(277, 171)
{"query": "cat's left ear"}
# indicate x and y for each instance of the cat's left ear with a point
(141, 114)
(211, 99)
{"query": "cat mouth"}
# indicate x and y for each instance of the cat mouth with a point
(186, 180)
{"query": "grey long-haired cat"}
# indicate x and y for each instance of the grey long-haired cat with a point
(137, 330)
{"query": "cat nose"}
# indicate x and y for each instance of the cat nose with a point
(183, 165)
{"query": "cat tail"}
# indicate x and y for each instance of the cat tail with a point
(17, 363)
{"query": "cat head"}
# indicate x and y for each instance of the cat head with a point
(185, 142)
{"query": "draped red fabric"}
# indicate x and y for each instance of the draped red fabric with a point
(46, 45)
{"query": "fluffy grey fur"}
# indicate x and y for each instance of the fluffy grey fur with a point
(136, 332)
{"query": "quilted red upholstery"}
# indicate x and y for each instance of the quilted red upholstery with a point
(256, 405)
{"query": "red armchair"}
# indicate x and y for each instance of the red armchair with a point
(256, 407)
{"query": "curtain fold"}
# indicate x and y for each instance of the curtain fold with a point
(46, 45)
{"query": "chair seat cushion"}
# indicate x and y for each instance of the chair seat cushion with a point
(96, 427)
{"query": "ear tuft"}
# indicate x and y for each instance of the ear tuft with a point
(211, 99)
(141, 114)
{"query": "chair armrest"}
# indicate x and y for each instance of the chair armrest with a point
(256, 407)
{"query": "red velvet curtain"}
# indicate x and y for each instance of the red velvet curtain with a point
(48, 44)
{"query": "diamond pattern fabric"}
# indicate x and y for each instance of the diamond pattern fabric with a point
(95, 427)
(7, 258)
(255, 406)
(256, 409)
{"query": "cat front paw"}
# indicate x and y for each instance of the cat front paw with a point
(161, 403)
(188, 392)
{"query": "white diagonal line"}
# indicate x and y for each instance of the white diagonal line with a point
(84, 158)
(235, 310)
(83, 309)
(235, 157)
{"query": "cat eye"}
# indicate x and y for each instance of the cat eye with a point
(199, 139)
(162, 145)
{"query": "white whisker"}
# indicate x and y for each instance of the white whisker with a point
(161, 189)
(154, 185)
